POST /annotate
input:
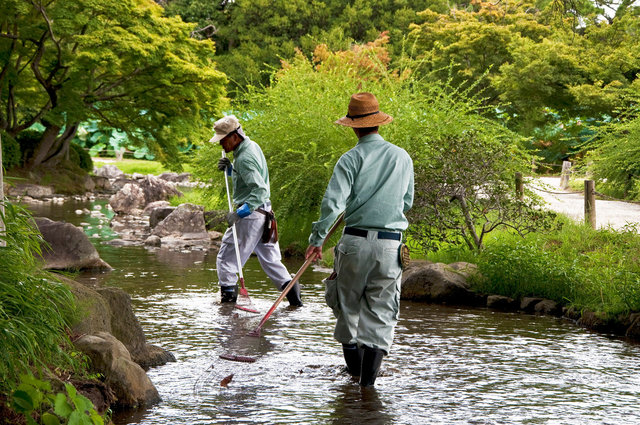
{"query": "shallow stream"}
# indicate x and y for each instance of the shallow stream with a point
(447, 366)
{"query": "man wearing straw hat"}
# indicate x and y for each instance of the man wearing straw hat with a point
(373, 184)
(251, 196)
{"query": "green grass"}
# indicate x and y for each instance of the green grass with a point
(590, 269)
(130, 166)
(36, 309)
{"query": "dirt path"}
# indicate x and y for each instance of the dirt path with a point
(616, 214)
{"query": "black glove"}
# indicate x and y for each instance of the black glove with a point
(232, 218)
(224, 163)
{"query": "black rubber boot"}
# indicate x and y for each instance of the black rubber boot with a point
(228, 294)
(293, 296)
(353, 358)
(371, 360)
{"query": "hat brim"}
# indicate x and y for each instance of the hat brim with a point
(217, 137)
(369, 121)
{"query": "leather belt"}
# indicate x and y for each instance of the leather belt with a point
(354, 231)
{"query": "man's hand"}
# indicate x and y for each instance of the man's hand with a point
(232, 218)
(313, 250)
(224, 163)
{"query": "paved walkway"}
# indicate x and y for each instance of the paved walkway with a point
(616, 214)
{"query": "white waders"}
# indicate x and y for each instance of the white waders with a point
(249, 230)
(365, 295)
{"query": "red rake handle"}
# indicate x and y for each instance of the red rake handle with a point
(285, 291)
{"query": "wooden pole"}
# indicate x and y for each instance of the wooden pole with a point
(519, 186)
(3, 242)
(564, 177)
(590, 203)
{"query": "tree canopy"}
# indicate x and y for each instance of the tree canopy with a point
(119, 62)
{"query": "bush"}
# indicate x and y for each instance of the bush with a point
(11, 155)
(80, 157)
(616, 159)
(35, 307)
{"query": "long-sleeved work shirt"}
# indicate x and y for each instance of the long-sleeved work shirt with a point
(250, 175)
(373, 184)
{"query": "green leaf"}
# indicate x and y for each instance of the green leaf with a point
(49, 419)
(62, 406)
(22, 401)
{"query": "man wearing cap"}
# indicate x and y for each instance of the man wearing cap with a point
(251, 193)
(373, 184)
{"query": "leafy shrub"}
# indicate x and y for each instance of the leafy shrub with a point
(11, 155)
(80, 157)
(36, 308)
(616, 159)
(455, 150)
(34, 396)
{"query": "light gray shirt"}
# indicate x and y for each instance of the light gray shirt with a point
(373, 184)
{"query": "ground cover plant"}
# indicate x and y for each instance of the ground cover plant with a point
(575, 265)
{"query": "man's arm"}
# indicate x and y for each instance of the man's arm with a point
(333, 202)
(258, 190)
(408, 196)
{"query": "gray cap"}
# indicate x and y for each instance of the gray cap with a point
(224, 126)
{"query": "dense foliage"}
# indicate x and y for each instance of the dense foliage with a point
(615, 160)
(252, 36)
(456, 151)
(121, 63)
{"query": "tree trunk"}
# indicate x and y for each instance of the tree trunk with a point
(41, 152)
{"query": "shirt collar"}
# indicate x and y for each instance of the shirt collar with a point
(373, 137)
(241, 146)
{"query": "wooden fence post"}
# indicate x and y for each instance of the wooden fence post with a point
(3, 242)
(564, 177)
(590, 203)
(519, 186)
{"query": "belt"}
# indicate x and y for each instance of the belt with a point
(353, 231)
(265, 205)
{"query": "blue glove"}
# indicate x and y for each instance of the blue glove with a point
(241, 212)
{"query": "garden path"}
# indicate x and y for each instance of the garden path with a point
(616, 214)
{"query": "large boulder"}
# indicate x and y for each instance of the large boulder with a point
(186, 218)
(158, 214)
(109, 171)
(126, 327)
(436, 282)
(134, 196)
(129, 382)
(31, 190)
(67, 248)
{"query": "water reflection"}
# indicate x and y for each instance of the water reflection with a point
(354, 404)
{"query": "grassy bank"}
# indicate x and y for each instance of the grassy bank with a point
(36, 312)
(598, 270)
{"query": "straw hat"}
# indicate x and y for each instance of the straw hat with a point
(224, 126)
(364, 111)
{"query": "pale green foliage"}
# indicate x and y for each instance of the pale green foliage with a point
(293, 122)
(616, 159)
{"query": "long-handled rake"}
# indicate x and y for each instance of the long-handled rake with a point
(246, 304)
(256, 331)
